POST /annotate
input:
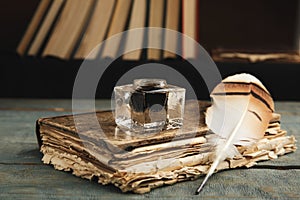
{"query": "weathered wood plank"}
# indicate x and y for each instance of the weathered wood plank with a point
(290, 113)
(47, 104)
(20, 153)
(44, 182)
(287, 106)
(19, 126)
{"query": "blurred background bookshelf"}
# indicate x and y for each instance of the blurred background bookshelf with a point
(260, 37)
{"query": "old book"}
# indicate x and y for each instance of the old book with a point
(33, 26)
(96, 30)
(45, 27)
(140, 163)
(155, 37)
(231, 55)
(189, 27)
(117, 25)
(135, 39)
(68, 29)
(172, 23)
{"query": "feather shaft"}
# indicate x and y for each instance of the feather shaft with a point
(221, 154)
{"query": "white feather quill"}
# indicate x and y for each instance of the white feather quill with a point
(241, 111)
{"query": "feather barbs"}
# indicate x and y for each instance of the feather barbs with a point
(231, 98)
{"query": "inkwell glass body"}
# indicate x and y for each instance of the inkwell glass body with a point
(149, 105)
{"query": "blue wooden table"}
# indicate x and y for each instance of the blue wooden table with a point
(23, 176)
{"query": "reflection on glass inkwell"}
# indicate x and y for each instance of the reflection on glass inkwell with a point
(149, 105)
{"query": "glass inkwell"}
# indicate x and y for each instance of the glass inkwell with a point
(149, 105)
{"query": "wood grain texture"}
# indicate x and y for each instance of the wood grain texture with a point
(37, 182)
(24, 176)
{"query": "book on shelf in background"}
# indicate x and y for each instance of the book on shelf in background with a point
(172, 23)
(33, 26)
(246, 32)
(45, 27)
(189, 27)
(96, 30)
(135, 39)
(68, 29)
(71, 29)
(117, 25)
(155, 36)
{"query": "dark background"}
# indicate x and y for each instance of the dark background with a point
(259, 26)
